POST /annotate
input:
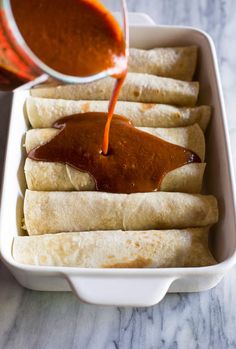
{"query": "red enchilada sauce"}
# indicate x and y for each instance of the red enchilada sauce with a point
(137, 161)
(81, 38)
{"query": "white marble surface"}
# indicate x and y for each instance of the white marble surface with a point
(40, 320)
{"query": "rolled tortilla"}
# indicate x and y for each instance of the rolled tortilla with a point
(55, 212)
(43, 112)
(137, 88)
(116, 249)
(49, 176)
(54, 176)
(190, 137)
(173, 62)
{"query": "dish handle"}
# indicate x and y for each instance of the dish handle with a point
(120, 290)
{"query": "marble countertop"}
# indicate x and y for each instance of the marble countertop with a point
(46, 320)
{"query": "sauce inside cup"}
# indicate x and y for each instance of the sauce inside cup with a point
(74, 37)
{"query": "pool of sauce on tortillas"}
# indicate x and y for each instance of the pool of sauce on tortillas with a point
(137, 161)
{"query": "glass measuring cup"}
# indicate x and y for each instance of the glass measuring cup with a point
(19, 65)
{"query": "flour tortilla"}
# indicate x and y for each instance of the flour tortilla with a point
(43, 112)
(190, 137)
(116, 249)
(54, 212)
(137, 88)
(51, 176)
(173, 62)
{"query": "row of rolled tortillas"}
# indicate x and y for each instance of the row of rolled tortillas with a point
(116, 249)
(89, 223)
(153, 77)
(55, 176)
(69, 221)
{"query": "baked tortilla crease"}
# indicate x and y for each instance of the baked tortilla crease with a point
(173, 62)
(116, 249)
(55, 212)
(137, 88)
(43, 112)
(51, 176)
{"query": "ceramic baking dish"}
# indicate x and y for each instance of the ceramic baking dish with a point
(133, 287)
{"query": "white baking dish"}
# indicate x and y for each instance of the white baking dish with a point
(133, 287)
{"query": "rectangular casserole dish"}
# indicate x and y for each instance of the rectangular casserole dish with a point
(133, 287)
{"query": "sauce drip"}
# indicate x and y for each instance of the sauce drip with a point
(136, 161)
(111, 108)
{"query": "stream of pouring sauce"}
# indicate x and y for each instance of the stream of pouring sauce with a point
(137, 161)
(77, 38)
